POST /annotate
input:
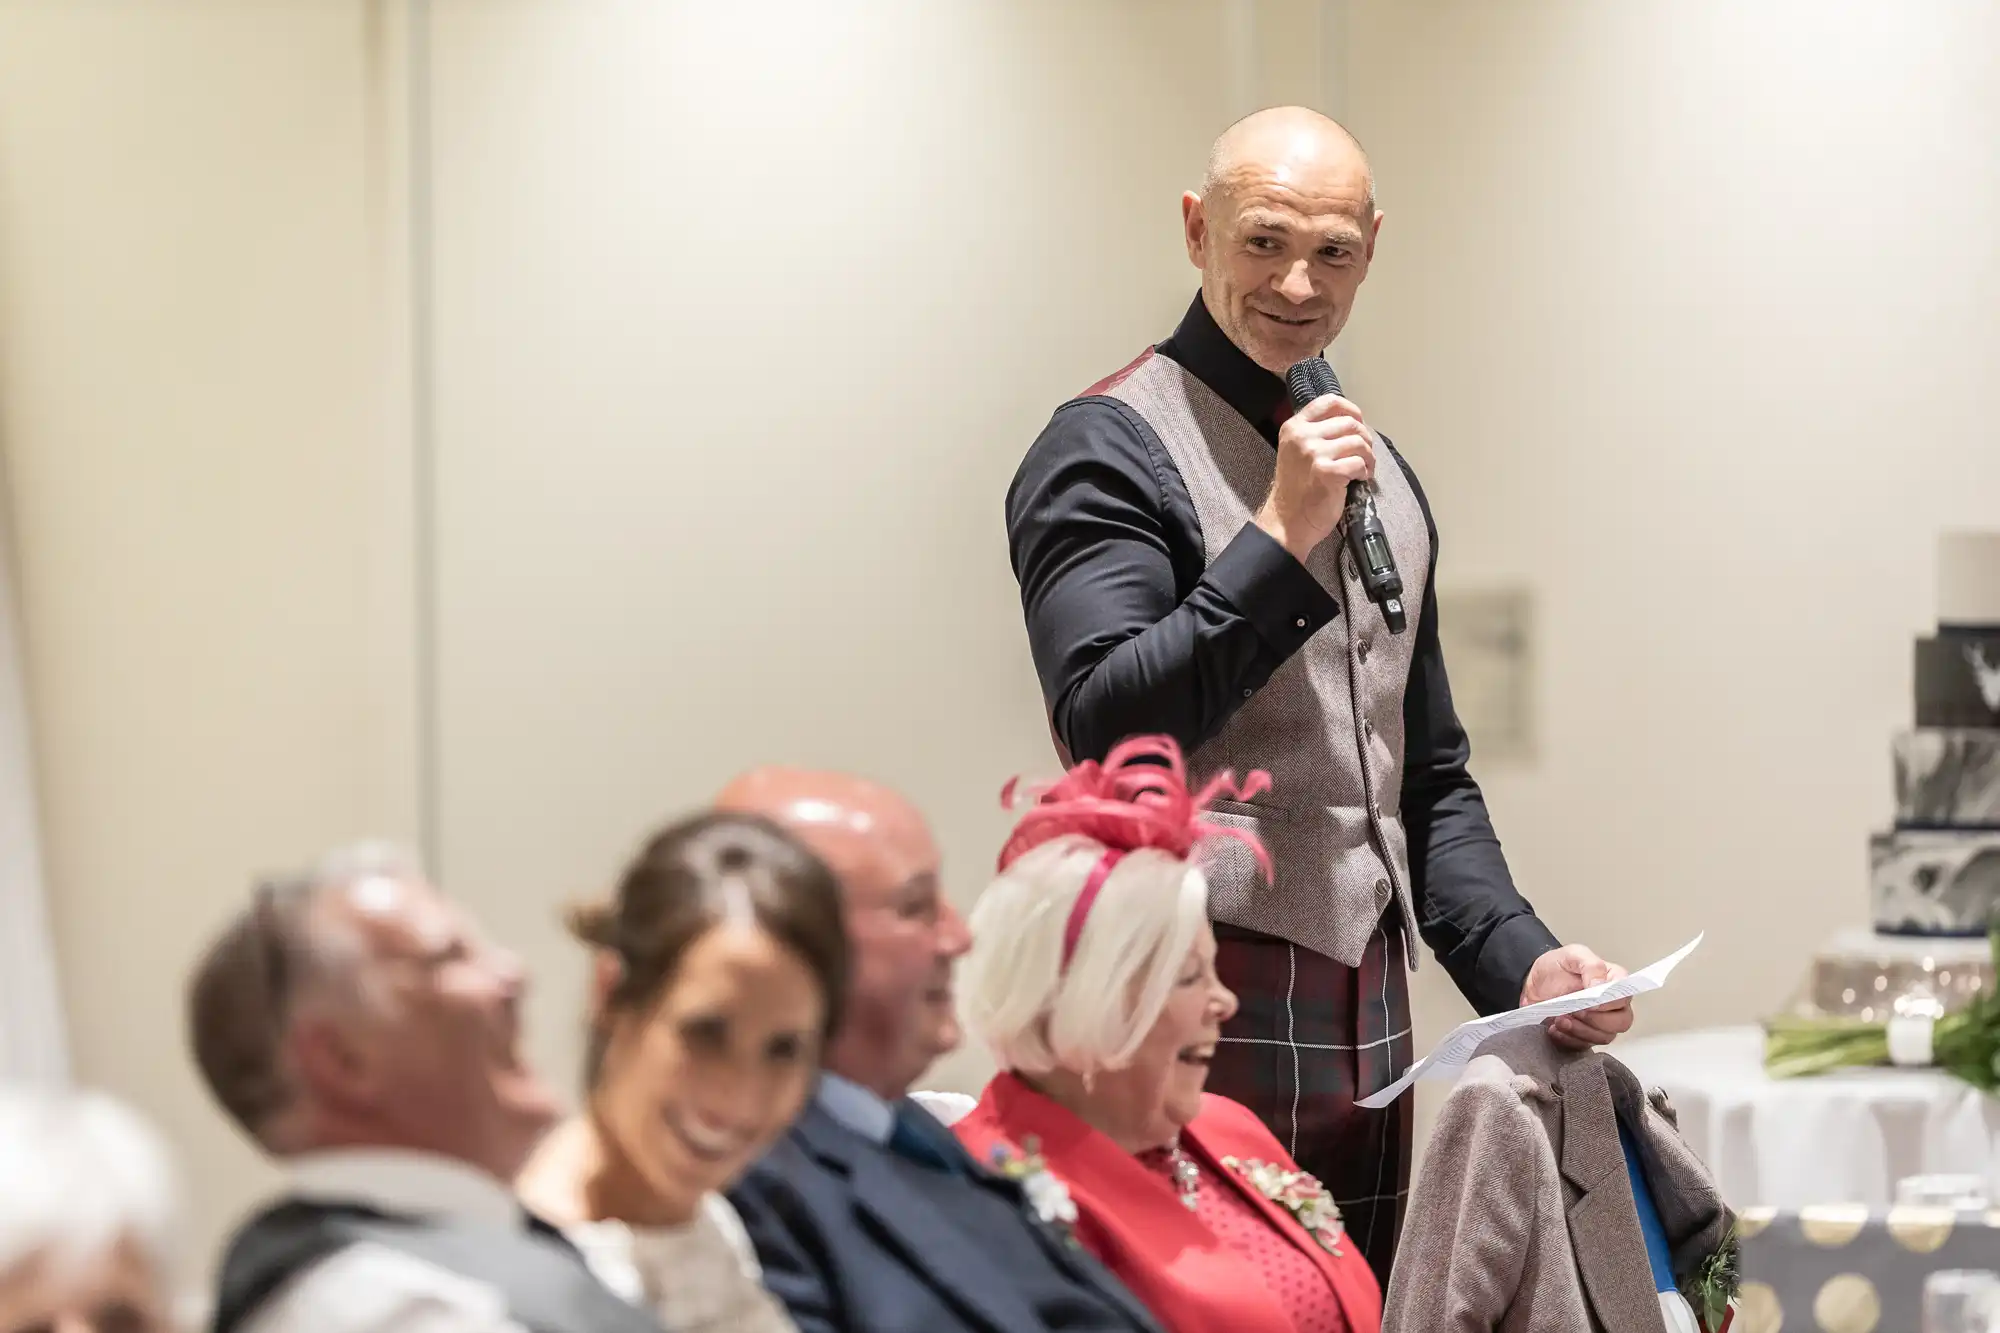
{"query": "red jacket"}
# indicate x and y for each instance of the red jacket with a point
(1135, 1224)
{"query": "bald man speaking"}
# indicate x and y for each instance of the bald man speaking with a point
(1175, 532)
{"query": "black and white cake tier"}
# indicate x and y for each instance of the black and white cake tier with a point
(1938, 872)
(1935, 881)
(1958, 678)
(1948, 777)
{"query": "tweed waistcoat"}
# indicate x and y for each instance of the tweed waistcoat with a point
(1328, 725)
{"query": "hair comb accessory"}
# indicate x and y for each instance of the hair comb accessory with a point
(1137, 798)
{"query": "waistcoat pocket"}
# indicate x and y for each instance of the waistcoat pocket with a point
(1248, 814)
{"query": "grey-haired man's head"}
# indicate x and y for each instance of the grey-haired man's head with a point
(352, 1004)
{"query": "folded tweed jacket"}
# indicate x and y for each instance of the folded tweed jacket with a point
(1522, 1217)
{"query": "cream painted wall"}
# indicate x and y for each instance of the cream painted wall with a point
(1697, 343)
(1699, 306)
(209, 495)
(745, 315)
(205, 411)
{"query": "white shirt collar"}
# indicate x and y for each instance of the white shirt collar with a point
(401, 1181)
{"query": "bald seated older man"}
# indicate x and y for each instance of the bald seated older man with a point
(1176, 532)
(868, 1214)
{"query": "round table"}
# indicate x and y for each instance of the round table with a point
(1846, 1137)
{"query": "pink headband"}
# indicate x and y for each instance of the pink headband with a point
(1093, 882)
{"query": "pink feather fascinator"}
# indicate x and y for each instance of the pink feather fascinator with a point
(1137, 798)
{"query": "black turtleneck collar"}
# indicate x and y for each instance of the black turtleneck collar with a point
(1200, 347)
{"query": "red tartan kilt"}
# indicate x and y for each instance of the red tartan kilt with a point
(1309, 1036)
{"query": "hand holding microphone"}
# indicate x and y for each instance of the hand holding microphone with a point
(1326, 466)
(1321, 450)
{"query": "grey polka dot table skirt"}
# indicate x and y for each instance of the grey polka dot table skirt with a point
(1849, 1270)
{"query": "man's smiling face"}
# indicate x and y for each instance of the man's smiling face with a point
(1283, 233)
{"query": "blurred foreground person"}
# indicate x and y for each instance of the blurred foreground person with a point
(86, 1216)
(868, 1215)
(352, 1020)
(719, 968)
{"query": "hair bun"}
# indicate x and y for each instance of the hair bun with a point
(1138, 797)
(593, 923)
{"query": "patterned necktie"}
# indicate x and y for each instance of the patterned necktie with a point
(914, 1138)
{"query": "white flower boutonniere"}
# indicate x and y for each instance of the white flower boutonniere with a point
(1047, 1195)
(1297, 1193)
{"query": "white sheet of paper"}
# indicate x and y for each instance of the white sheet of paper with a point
(1455, 1052)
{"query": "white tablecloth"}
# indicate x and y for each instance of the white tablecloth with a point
(1835, 1138)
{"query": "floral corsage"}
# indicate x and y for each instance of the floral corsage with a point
(1048, 1196)
(1297, 1193)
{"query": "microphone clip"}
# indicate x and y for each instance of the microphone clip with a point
(1368, 543)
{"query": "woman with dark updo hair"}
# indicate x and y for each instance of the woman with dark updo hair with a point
(719, 966)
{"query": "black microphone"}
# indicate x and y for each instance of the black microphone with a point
(1313, 378)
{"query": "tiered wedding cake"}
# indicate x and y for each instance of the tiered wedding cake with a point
(1935, 881)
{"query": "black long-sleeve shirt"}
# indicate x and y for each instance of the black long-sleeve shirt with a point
(1134, 632)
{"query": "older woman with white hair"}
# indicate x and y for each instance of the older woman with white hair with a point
(86, 1213)
(1092, 981)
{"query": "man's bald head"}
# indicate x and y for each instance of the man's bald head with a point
(1291, 135)
(1283, 231)
(905, 934)
(871, 836)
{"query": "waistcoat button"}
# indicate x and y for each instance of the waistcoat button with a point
(1381, 890)
(1362, 649)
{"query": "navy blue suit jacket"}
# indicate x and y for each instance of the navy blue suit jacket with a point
(853, 1237)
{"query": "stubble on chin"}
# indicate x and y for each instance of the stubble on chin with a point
(1257, 344)
(1272, 357)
